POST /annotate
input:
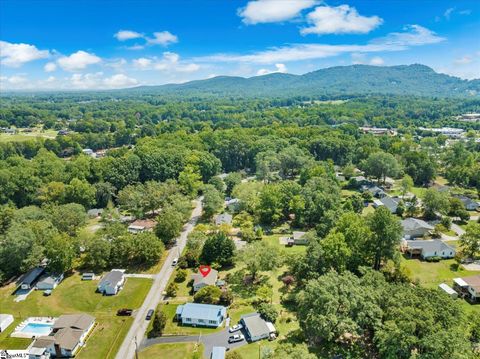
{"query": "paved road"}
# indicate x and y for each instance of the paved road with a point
(209, 341)
(137, 330)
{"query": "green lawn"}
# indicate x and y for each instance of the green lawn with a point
(75, 296)
(171, 351)
(430, 274)
(25, 136)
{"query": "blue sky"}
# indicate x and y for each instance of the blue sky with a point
(115, 44)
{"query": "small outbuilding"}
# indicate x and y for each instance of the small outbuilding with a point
(31, 277)
(88, 276)
(5, 321)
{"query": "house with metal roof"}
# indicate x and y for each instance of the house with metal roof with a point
(256, 327)
(112, 282)
(31, 277)
(200, 281)
(428, 248)
(206, 315)
(414, 227)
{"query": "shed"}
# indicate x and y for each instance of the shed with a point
(449, 290)
(88, 276)
(256, 327)
(5, 321)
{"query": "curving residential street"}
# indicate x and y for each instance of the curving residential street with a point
(137, 331)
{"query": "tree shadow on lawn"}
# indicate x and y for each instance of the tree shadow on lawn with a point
(241, 283)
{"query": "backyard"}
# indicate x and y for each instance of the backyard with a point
(75, 296)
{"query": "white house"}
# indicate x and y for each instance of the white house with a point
(199, 281)
(112, 282)
(428, 248)
(256, 328)
(49, 282)
(68, 335)
(5, 321)
(206, 315)
(468, 287)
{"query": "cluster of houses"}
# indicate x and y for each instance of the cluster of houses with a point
(466, 287)
(209, 315)
(38, 278)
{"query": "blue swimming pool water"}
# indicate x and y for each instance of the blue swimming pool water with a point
(37, 328)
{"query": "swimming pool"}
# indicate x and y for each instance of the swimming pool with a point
(34, 327)
(37, 328)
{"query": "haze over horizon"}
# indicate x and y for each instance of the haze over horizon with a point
(48, 45)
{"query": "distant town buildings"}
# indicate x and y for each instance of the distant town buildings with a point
(468, 117)
(379, 131)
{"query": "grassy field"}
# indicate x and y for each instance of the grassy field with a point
(25, 136)
(75, 296)
(177, 350)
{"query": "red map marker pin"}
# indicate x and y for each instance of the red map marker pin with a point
(204, 270)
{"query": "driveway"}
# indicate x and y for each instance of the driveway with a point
(219, 339)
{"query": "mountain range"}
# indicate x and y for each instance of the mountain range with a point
(417, 80)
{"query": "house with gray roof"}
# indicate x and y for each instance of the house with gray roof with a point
(256, 327)
(391, 203)
(200, 281)
(49, 282)
(428, 248)
(414, 228)
(206, 315)
(68, 335)
(31, 277)
(224, 218)
(470, 204)
(112, 282)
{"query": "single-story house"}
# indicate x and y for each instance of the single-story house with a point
(5, 321)
(256, 327)
(428, 248)
(449, 290)
(218, 353)
(224, 218)
(199, 281)
(95, 212)
(89, 152)
(376, 191)
(470, 204)
(31, 277)
(112, 282)
(468, 287)
(141, 225)
(49, 282)
(414, 227)
(68, 335)
(88, 276)
(207, 315)
(299, 237)
(391, 203)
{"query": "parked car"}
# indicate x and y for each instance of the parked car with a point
(149, 314)
(124, 312)
(236, 338)
(174, 262)
(235, 328)
(47, 292)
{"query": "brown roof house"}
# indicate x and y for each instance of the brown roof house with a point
(141, 225)
(68, 336)
(468, 287)
(199, 281)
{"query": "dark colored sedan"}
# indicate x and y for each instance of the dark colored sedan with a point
(149, 314)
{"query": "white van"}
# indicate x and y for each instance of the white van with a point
(174, 262)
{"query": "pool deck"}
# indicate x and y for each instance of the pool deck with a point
(19, 333)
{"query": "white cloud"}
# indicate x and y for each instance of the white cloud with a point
(124, 35)
(135, 47)
(163, 38)
(278, 68)
(78, 61)
(119, 81)
(342, 19)
(17, 79)
(15, 55)
(377, 61)
(264, 11)
(50, 79)
(98, 81)
(448, 12)
(50, 67)
(464, 60)
(414, 35)
(142, 63)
